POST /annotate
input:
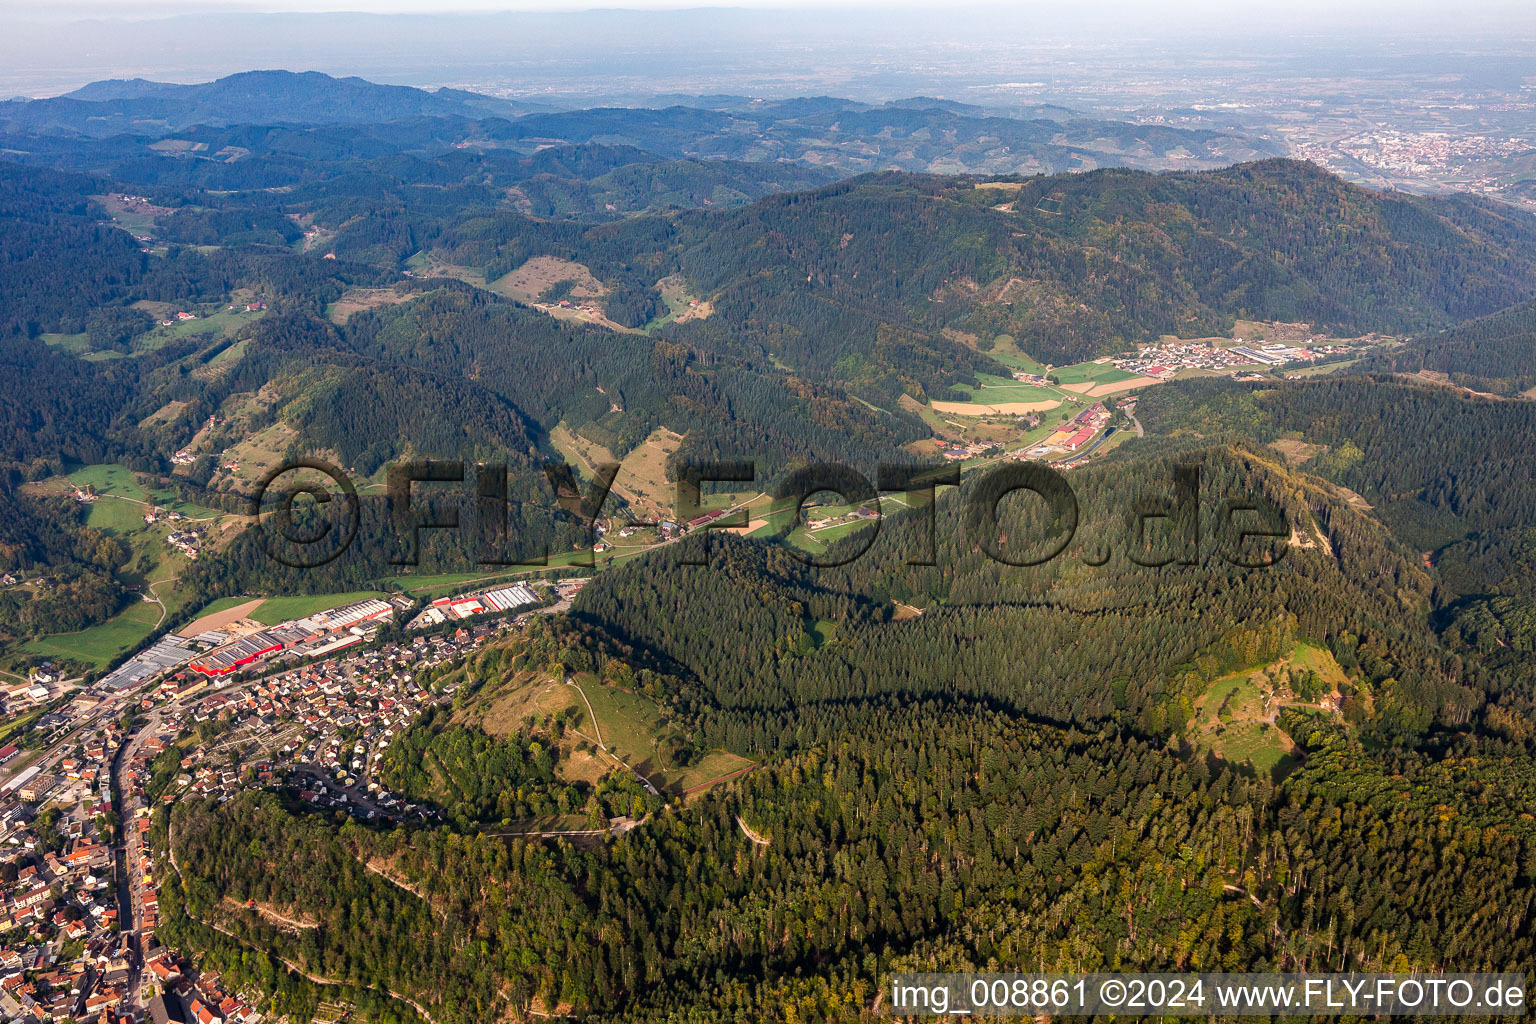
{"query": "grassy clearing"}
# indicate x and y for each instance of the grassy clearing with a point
(115, 482)
(167, 499)
(1005, 349)
(108, 479)
(255, 455)
(223, 361)
(642, 478)
(167, 414)
(682, 304)
(984, 430)
(115, 516)
(357, 300)
(1322, 369)
(1310, 657)
(629, 723)
(135, 218)
(153, 566)
(212, 324)
(119, 511)
(546, 823)
(632, 725)
(280, 609)
(1235, 717)
(524, 284)
(1233, 720)
(529, 282)
(502, 709)
(716, 764)
(998, 390)
(817, 542)
(632, 728)
(74, 344)
(1296, 452)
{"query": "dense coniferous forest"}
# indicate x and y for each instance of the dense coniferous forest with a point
(1495, 353)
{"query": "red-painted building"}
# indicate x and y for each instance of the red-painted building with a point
(235, 656)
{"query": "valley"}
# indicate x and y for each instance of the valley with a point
(510, 753)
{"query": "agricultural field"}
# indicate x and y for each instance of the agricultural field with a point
(532, 284)
(116, 486)
(280, 609)
(223, 361)
(153, 565)
(164, 416)
(135, 218)
(1001, 396)
(220, 613)
(1093, 372)
(1322, 369)
(100, 644)
(424, 264)
(960, 429)
(816, 542)
(253, 456)
(994, 396)
(1005, 349)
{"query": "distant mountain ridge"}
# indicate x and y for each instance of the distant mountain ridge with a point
(921, 134)
(250, 97)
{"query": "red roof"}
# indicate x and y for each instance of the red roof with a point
(1081, 437)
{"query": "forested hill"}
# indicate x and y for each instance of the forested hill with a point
(1044, 641)
(1086, 264)
(1448, 473)
(849, 300)
(1009, 780)
(1495, 353)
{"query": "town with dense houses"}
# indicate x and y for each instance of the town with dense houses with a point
(307, 707)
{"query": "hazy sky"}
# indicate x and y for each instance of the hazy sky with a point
(1298, 12)
(762, 47)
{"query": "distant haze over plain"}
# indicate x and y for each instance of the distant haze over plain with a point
(864, 50)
